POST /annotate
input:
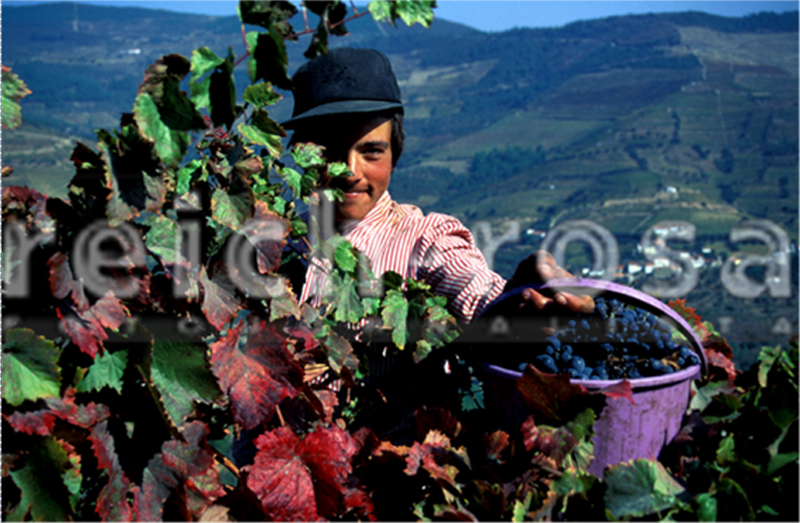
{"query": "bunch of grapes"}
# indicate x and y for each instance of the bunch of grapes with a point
(617, 341)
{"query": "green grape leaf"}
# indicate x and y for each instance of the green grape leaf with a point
(163, 112)
(30, 370)
(344, 254)
(520, 510)
(204, 61)
(267, 14)
(194, 170)
(395, 316)
(106, 371)
(182, 374)
(283, 302)
(339, 169)
(415, 11)
(292, 178)
(13, 90)
(345, 299)
(42, 483)
(164, 239)
(170, 144)
(706, 507)
(410, 11)
(268, 59)
(264, 131)
(199, 92)
(705, 394)
(261, 95)
(339, 350)
(766, 359)
(639, 488)
(308, 155)
(228, 209)
(726, 452)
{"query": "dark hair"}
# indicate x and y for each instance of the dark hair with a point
(313, 129)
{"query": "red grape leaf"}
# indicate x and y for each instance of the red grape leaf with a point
(87, 327)
(387, 446)
(27, 204)
(112, 504)
(329, 402)
(430, 418)
(362, 503)
(109, 311)
(327, 452)
(434, 454)
(496, 443)
(690, 315)
(37, 422)
(85, 334)
(547, 393)
(622, 389)
(220, 305)
(717, 343)
(187, 468)
(84, 416)
(452, 513)
(267, 232)
(556, 443)
(41, 421)
(281, 480)
(63, 283)
(302, 333)
(717, 359)
(258, 375)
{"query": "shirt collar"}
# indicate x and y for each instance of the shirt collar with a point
(375, 215)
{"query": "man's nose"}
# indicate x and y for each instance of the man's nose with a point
(352, 161)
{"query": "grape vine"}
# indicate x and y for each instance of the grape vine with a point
(151, 319)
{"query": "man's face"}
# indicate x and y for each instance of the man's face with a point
(366, 149)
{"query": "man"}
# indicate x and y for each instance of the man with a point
(349, 102)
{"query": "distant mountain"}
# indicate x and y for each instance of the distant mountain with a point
(626, 121)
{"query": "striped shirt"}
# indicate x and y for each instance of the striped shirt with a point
(434, 248)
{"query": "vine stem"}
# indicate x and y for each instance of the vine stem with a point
(228, 464)
(302, 33)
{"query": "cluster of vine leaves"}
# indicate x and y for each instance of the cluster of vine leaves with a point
(124, 386)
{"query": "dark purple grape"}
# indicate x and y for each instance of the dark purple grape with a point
(547, 362)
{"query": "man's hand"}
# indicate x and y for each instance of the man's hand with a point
(539, 268)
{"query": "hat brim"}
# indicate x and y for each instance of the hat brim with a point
(343, 107)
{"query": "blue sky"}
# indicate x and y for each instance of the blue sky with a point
(499, 15)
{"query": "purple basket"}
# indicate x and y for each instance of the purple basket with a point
(624, 431)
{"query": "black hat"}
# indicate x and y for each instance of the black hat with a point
(345, 80)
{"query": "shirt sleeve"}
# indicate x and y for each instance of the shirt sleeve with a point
(446, 258)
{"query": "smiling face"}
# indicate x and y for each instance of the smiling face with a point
(365, 146)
